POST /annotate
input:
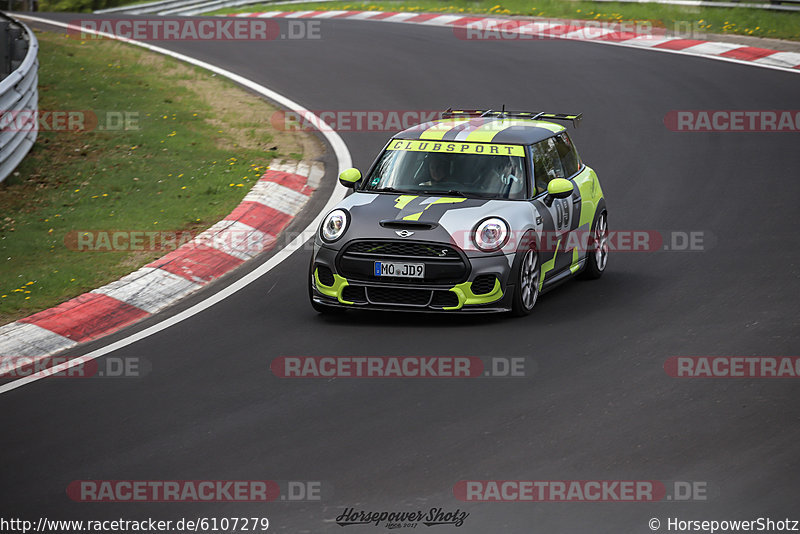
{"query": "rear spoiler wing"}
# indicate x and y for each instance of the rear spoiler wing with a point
(534, 115)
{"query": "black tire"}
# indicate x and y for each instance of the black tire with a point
(597, 256)
(526, 282)
(319, 308)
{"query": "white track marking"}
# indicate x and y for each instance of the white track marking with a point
(149, 289)
(441, 20)
(645, 41)
(263, 191)
(361, 16)
(36, 339)
(713, 48)
(781, 59)
(329, 14)
(279, 197)
(236, 239)
(400, 17)
(344, 162)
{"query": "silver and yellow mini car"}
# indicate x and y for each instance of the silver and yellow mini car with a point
(479, 211)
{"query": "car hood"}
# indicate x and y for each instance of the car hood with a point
(439, 219)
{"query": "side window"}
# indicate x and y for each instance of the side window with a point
(546, 164)
(568, 154)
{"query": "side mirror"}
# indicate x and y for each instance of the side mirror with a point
(350, 177)
(559, 188)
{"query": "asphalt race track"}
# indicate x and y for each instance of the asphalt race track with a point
(597, 405)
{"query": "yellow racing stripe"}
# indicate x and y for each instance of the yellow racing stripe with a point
(401, 201)
(487, 132)
(437, 131)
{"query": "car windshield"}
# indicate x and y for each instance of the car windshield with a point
(458, 169)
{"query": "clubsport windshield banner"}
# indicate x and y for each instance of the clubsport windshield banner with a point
(458, 148)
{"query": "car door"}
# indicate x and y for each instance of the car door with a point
(560, 216)
(571, 164)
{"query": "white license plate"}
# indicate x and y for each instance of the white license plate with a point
(405, 270)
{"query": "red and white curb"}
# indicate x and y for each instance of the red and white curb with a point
(251, 228)
(578, 30)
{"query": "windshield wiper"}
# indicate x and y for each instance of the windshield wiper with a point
(456, 192)
(443, 192)
(451, 192)
(385, 190)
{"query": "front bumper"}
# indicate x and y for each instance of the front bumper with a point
(331, 286)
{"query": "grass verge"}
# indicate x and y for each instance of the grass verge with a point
(173, 148)
(681, 19)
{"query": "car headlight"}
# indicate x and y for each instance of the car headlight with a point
(491, 234)
(334, 225)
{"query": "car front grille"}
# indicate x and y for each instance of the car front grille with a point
(399, 296)
(444, 264)
(354, 294)
(444, 299)
(402, 248)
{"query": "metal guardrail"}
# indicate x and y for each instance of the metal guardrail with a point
(128, 8)
(198, 7)
(162, 7)
(214, 5)
(189, 7)
(19, 93)
(192, 8)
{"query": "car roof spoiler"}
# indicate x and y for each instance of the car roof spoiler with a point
(534, 115)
